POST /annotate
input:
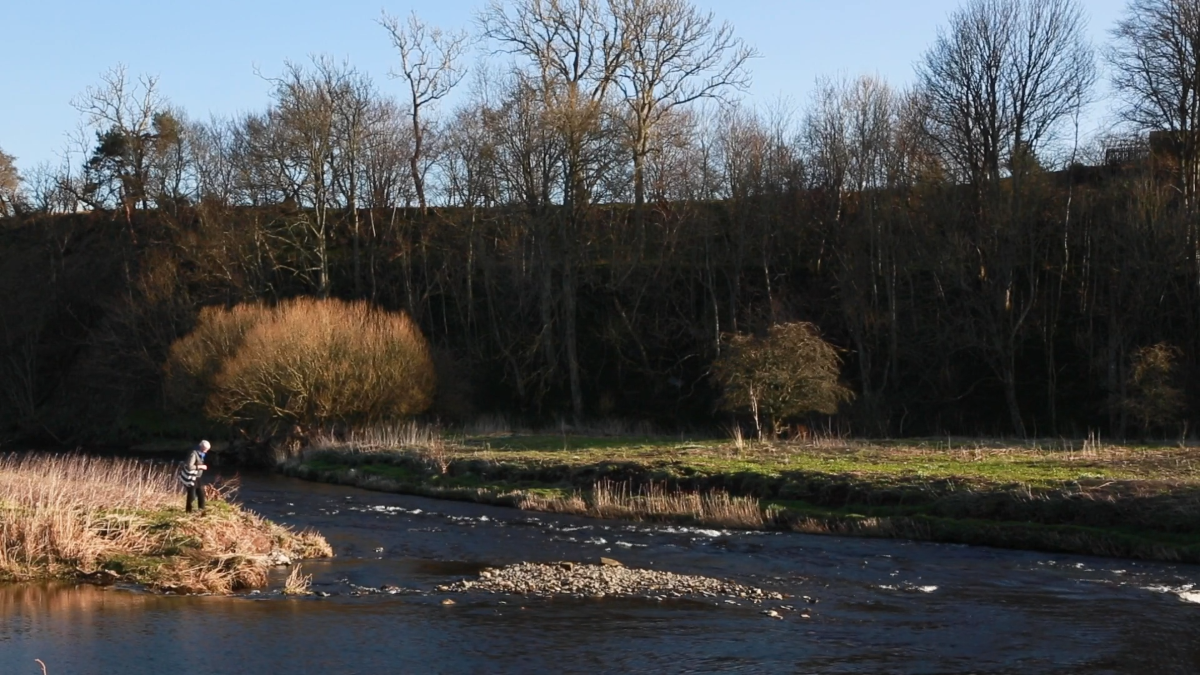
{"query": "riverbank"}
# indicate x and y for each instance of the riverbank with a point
(1084, 498)
(106, 519)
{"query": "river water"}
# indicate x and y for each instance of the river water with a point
(883, 606)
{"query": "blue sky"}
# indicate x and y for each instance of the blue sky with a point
(206, 54)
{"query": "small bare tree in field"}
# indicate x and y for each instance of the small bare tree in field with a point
(790, 372)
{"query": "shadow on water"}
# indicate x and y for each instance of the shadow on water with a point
(881, 606)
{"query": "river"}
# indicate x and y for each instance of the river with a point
(883, 606)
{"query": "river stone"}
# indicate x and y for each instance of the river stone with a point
(277, 558)
(609, 562)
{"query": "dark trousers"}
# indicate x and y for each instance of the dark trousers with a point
(196, 492)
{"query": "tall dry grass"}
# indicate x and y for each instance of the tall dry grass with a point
(304, 361)
(421, 441)
(63, 512)
(68, 515)
(298, 583)
(716, 508)
(380, 438)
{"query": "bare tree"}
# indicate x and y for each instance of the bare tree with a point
(677, 55)
(854, 141)
(997, 86)
(10, 184)
(572, 52)
(430, 62)
(124, 116)
(302, 141)
(1000, 81)
(1155, 57)
(388, 147)
(354, 105)
(214, 161)
(44, 189)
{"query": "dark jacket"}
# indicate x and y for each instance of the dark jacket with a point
(190, 471)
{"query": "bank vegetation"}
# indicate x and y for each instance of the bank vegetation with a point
(104, 520)
(1088, 497)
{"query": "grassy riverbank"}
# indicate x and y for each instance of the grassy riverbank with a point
(1083, 497)
(106, 519)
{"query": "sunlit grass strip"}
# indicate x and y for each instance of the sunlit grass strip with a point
(72, 515)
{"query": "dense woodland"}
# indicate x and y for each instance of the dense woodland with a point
(596, 215)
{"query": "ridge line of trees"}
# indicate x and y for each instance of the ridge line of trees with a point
(578, 233)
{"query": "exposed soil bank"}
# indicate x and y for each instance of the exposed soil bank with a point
(1146, 519)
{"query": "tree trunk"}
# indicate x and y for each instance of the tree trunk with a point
(414, 161)
(1010, 398)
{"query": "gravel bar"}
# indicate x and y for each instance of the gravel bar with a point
(599, 581)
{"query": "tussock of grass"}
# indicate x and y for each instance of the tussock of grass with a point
(298, 583)
(63, 516)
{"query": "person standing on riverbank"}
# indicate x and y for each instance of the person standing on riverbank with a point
(189, 474)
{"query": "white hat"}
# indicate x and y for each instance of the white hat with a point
(205, 445)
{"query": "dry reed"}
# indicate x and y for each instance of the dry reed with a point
(381, 438)
(67, 515)
(421, 441)
(655, 502)
(297, 582)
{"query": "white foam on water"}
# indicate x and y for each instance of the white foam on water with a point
(1190, 596)
(1178, 590)
(1186, 593)
(695, 530)
(907, 588)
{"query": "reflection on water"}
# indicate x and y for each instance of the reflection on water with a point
(882, 606)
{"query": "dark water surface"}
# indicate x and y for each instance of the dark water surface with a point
(884, 606)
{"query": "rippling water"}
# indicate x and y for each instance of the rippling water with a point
(884, 606)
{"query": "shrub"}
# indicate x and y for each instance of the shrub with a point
(789, 373)
(196, 359)
(306, 361)
(1153, 398)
